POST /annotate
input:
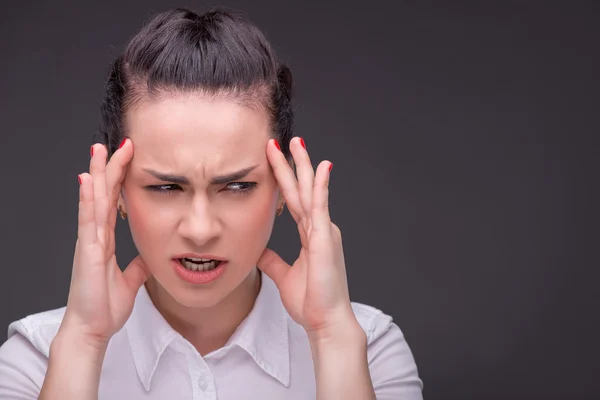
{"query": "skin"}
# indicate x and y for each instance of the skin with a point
(200, 138)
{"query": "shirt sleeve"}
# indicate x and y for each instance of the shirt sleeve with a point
(391, 363)
(22, 369)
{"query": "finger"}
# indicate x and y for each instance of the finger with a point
(286, 180)
(305, 172)
(115, 173)
(86, 226)
(303, 232)
(271, 264)
(321, 220)
(97, 170)
(136, 273)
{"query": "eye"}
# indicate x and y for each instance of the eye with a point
(164, 188)
(241, 187)
(235, 187)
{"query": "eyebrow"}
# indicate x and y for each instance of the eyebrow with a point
(217, 180)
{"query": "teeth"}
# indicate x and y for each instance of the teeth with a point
(204, 266)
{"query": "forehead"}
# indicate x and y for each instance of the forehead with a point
(192, 133)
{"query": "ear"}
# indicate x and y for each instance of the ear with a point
(121, 202)
(280, 200)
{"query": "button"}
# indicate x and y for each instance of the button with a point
(202, 383)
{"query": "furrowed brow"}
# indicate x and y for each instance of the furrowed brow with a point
(217, 180)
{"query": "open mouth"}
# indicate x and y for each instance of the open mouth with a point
(195, 264)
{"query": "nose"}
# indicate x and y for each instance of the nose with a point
(199, 223)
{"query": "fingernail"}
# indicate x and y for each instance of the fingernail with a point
(79, 179)
(277, 145)
(92, 151)
(302, 143)
(123, 143)
(330, 166)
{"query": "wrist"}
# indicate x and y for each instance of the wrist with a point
(340, 336)
(341, 363)
(74, 342)
(74, 366)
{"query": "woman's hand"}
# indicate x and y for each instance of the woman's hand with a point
(101, 296)
(314, 290)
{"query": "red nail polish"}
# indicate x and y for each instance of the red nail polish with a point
(302, 143)
(92, 151)
(330, 166)
(123, 143)
(277, 145)
(79, 179)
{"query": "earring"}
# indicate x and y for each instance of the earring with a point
(123, 213)
(280, 210)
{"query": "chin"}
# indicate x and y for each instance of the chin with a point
(197, 300)
(202, 296)
(196, 297)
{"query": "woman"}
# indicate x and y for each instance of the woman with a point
(196, 151)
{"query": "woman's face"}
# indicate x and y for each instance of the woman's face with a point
(199, 140)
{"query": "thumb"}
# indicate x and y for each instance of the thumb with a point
(271, 264)
(136, 273)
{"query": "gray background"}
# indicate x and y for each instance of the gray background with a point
(465, 175)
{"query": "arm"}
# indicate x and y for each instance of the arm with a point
(74, 368)
(101, 296)
(341, 366)
(314, 291)
(350, 364)
(71, 372)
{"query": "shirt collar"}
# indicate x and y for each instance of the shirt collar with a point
(263, 334)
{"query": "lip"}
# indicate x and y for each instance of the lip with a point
(198, 277)
(203, 256)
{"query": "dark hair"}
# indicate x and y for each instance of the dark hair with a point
(219, 53)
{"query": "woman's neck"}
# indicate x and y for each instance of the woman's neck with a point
(208, 329)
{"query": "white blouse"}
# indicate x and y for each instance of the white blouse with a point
(268, 357)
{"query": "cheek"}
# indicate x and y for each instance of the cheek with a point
(261, 214)
(144, 221)
(253, 222)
